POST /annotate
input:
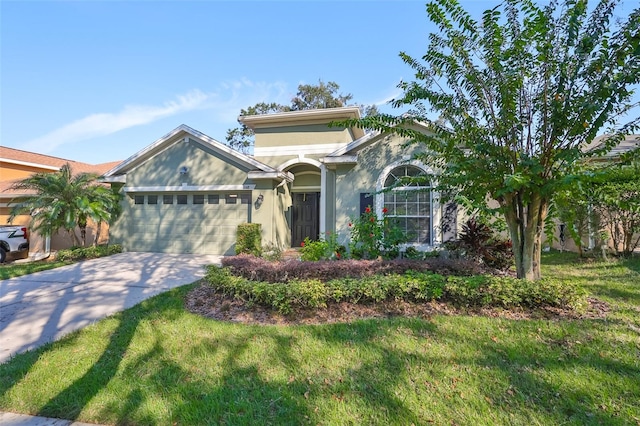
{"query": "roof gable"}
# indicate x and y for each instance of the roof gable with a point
(178, 135)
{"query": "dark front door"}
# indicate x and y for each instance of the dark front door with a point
(305, 214)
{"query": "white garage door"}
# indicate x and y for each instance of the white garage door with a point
(187, 223)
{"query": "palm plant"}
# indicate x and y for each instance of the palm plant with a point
(65, 201)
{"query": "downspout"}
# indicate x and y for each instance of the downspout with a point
(274, 231)
(323, 199)
(47, 247)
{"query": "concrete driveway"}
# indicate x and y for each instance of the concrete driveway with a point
(42, 307)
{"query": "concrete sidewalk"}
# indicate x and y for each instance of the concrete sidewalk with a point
(42, 307)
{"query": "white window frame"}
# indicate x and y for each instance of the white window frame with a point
(436, 237)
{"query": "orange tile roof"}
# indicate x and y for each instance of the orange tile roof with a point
(12, 154)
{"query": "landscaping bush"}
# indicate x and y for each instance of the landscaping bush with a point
(271, 252)
(470, 291)
(323, 249)
(372, 237)
(249, 239)
(257, 269)
(477, 242)
(413, 253)
(313, 250)
(92, 252)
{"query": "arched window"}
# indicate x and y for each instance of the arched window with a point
(408, 202)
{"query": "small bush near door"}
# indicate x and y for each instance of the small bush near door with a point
(249, 239)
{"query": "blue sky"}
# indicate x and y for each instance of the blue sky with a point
(97, 81)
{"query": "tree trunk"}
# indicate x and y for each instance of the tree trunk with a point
(526, 225)
(74, 237)
(97, 234)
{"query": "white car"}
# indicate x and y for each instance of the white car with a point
(14, 240)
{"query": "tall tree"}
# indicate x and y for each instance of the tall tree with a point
(65, 201)
(241, 138)
(322, 95)
(520, 92)
(309, 96)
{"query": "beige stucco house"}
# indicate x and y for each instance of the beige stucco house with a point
(187, 192)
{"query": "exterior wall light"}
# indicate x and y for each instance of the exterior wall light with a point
(259, 201)
(183, 170)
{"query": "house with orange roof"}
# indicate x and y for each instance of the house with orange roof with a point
(16, 164)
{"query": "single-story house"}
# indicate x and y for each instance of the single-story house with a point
(187, 193)
(17, 164)
(562, 240)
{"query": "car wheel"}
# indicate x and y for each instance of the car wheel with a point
(3, 255)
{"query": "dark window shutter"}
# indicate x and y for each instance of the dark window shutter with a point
(366, 200)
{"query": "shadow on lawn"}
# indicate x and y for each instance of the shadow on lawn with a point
(564, 401)
(235, 390)
(529, 374)
(240, 395)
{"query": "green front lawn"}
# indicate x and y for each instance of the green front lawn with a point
(62, 258)
(11, 270)
(159, 364)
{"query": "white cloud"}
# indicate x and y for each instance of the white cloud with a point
(243, 93)
(102, 124)
(394, 94)
(224, 104)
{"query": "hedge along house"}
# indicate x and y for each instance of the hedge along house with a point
(187, 193)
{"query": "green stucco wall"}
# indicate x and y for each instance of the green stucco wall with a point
(300, 135)
(350, 181)
(205, 167)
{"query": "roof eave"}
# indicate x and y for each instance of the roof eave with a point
(114, 179)
(275, 175)
(342, 160)
(304, 117)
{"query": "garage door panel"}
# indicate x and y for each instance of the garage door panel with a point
(175, 228)
(204, 229)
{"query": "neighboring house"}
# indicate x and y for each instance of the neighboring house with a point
(187, 192)
(628, 144)
(16, 164)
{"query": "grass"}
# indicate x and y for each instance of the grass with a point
(62, 258)
(159, 364)
(11, 270)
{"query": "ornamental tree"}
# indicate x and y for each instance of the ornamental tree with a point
(64, 200)
(519, 93)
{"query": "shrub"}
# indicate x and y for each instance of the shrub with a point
(471, 291)
(372, 237)
(413, 253)
(311, 251)
(257, 269)
(478, 243)
(366, 235)
(271, 252)
(92, 252)
(323, 249)
(249, 239)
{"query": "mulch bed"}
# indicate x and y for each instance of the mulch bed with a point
(203, 300)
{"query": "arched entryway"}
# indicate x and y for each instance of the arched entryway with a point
(305, 198)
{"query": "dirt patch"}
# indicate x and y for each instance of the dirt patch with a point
(203, 300)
